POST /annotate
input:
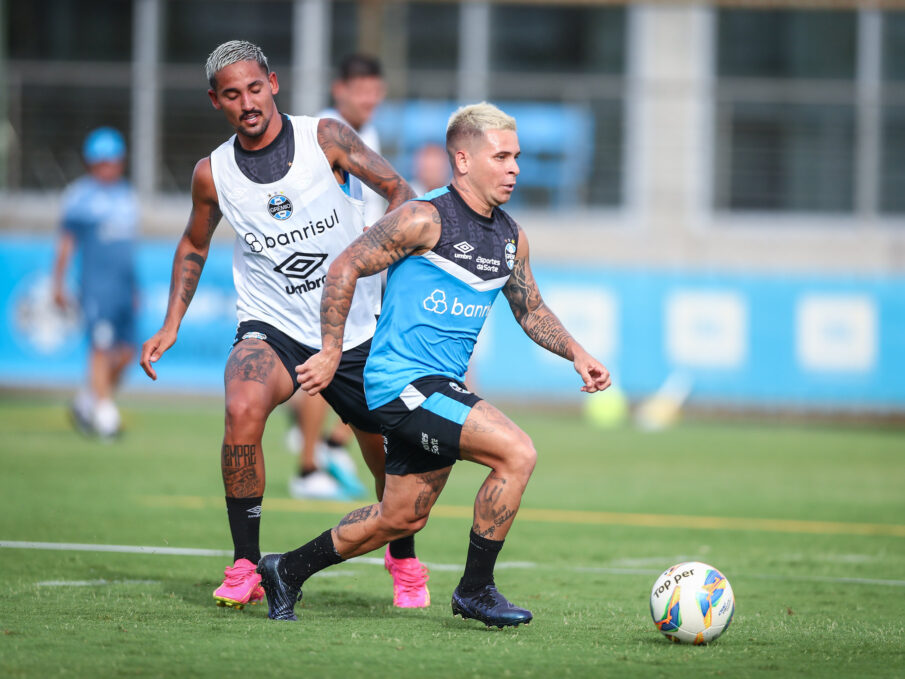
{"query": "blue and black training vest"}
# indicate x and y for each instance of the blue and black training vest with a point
(436, 303)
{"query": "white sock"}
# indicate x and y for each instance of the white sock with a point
(84, 402)
(106, 417)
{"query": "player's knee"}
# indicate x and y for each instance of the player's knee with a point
(417, 523)
(522, 456)
(243, 412)
(399, 525)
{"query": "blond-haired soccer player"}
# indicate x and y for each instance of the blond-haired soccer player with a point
(450, 253)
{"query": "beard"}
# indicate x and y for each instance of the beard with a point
(255, 132)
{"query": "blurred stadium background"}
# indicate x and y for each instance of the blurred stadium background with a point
(714, 190)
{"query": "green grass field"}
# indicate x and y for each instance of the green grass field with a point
(807, 522)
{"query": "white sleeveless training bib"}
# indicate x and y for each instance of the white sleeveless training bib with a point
(287, 234)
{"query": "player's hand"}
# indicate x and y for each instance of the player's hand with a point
(317, 372)
(596, 377)
(153, 349)
(60, 299)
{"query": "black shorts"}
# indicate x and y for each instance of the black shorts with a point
(345, 393)
(422, 426)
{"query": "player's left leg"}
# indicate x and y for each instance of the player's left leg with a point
(120, 359)
(311, 480)
(256, 381)
(112, 349)
(336, 458)
(107, 333)
(492, 439)
(107, 367)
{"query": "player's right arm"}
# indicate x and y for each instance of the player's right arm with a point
(345, 150)
(410, 229)
(65, 248)
(191, 254)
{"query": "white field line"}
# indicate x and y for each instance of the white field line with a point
(93, 583)
(124, 549)
(106, 583)
(373, 561)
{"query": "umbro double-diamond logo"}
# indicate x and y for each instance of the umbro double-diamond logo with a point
(300, 264)
(464, 250)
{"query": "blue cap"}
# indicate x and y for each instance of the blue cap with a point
(102, 145)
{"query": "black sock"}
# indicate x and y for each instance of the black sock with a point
(403, 548)
(245, 525)
(479, 564)
(300, 564)
(334, 442)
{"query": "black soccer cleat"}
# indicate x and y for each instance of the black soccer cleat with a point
(490, 607)
(281, 597)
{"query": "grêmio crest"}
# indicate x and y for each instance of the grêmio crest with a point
(279, 206)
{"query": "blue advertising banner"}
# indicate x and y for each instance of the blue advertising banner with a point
(42, 347)
(748, 340)
(763, 341)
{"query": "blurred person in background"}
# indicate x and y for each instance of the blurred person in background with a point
(281, 182)
(325, 469)
(357, 91)
(430, 168)
(100, 219)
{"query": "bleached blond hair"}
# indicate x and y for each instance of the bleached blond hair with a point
(232, 52)
(473, 121)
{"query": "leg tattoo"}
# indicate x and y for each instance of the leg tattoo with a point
(491, 512)
(240, 474)
(253, 362)
(431, 485)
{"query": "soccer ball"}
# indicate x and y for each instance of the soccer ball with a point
(692, 603)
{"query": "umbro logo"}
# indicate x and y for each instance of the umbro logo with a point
(463, 249)
(300, 264)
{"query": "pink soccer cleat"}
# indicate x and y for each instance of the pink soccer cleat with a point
(410, 578)
(242, 585)
(257, 595)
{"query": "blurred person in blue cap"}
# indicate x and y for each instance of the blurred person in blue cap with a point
(99, 223)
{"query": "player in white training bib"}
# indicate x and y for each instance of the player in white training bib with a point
(283, 183)
(290, 224)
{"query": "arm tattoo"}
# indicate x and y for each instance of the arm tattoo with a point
(388, 241)
(535, 317)
(212, 220)
(189, 273)
(364, 163)
(192, 264)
